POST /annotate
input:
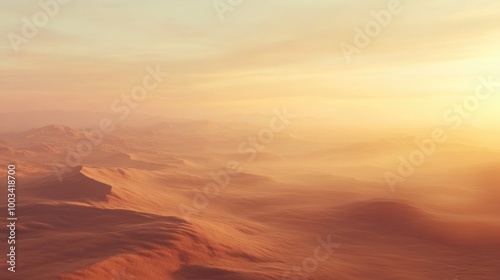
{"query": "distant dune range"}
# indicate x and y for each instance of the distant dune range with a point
(116, 216)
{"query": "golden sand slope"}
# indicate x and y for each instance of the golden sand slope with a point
(117, 216)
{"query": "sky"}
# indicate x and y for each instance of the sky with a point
(254, 56)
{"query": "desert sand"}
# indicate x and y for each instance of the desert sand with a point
(135, 207)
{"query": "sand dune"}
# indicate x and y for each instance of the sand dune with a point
(118, 215)
(404, 218)
(75, 186)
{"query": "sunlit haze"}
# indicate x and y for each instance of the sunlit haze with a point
(264, 54)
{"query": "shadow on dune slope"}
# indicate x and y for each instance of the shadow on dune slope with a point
(397, 217)
(77, 237)
(76, 186)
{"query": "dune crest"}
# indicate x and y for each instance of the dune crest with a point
(76, 186)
